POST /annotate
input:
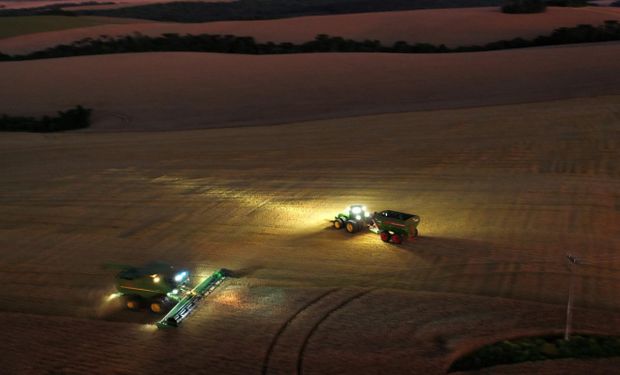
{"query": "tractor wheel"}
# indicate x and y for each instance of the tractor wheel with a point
(360, 226)
(132, 303)
(351, 226)
(338, 224)
(396, 239)
(385, 236)
(158, 305)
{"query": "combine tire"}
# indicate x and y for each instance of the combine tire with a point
(338, 224)
(396, 239)
(385, 236)
(351, 226)
(132, 303)
(158, 305)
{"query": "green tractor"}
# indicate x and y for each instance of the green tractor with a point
(394, 226)
(162, 289)
(354, 218)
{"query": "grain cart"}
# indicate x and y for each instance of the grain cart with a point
(395, 226)
(163, 289)
(354, 218)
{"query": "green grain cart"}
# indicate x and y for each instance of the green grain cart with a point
(161, 288)
(394, 226)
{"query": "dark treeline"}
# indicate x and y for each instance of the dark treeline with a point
(609, 31)
(539, 6)
(524, 6)
(272, 9)
(75, 118)
(570, 3)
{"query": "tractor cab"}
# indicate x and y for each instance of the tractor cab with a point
(357, 212)
(354, 218)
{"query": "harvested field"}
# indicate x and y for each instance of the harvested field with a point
(201, 90)
(133, 3)
(453, 27)
(24, 4)
(504, 193)
(12, 26)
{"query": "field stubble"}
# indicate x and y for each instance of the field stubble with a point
(504, 193)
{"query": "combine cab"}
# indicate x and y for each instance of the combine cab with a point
(162, 289)
(394, 226)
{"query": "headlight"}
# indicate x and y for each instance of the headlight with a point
(156, 279)
(356, 210)
(358, 217)
(366, 214)
(180, 276)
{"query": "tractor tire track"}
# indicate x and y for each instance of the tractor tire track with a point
(275, 339)
(302, 349)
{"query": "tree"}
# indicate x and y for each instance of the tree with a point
(524, 6)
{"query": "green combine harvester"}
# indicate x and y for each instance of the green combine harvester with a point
(393, 226)
(162, 288)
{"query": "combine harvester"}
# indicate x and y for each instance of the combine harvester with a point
(163, 289)
(393, 226)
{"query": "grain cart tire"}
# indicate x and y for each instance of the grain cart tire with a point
(158, 305)
(385, 236)
(396, 239)
(132, 303)
(351, 226)
(338, 224)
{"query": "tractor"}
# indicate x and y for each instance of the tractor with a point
(354, 218)
(162, 288)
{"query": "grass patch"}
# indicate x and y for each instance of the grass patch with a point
(538, 349)
(75, 118)
(13, 26)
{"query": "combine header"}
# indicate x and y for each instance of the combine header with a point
(185, 306)
(161, 288)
